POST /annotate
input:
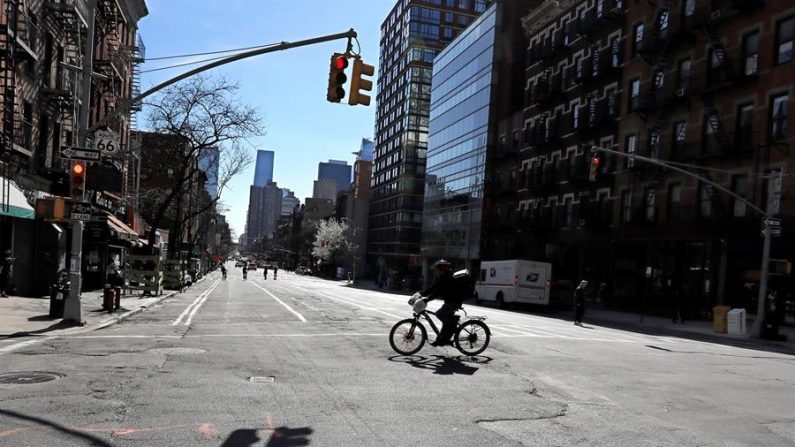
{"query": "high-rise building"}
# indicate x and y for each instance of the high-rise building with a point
(325, 189)
(264, 210)
(337, 170)
(289, 202)
(411, 36)
(366, 151)
(462, 154)
(209, 161)
(263, 170)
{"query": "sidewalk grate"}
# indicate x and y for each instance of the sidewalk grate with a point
(261, 379)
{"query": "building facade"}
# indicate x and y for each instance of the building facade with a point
(337, 171)
(209, 163)
(264, 210)
(289, 202)
(263, 169)
(324, 189)
(411, 36)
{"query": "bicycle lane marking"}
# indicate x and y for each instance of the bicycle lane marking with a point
(300, 317)
(194, 306)
(371, 309)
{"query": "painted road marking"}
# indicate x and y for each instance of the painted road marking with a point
(300, 317)
(194, 304)
(348, 302)
(19, 345)
(325, 334)
(201, 303)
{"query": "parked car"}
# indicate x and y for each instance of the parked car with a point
(252, 265)
(240, 263)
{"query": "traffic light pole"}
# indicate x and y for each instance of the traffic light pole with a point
(127, 105)
(73, 306)
(756, 330)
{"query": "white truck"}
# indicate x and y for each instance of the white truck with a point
(514, 281)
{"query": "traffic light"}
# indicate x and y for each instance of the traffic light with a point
(51, 208)
(337, 78)
(357, 83)
(77, 182)
(594, 172)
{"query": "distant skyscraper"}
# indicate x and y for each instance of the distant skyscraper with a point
(325, 189)
(264, 209)
(366, 151)
(337, 170)
(208, 163)
(289, 202)
(263, 171)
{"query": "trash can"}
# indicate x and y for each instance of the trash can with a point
(108, 296)
(735, 322)
(719, 318)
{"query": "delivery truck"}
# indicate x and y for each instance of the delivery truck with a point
(514, 281)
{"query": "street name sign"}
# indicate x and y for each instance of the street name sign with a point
(80, 211)
(770, 222)
(80, 153)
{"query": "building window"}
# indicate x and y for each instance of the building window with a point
(704, 200)
(689, 8)
(744, 125)
(711, 129)
(785, 32)
(739, 187)
(651, 204)
(600, 8)
(663, 23)
(678, 143)
(575, 113)
(630, 145)
(568, 212)
(615, 52)
(626, 206)
(751, 53)
(674, 202)
(683, 75)
(779, 106)
(634, 95)
(654, 142)
(637, 39)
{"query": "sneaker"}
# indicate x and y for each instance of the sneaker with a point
(437, 343)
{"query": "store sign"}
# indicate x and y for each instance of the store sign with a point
(106, 203)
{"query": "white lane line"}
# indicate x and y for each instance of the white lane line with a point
(328, 334)
(19, 345)
(188, 309)
(201, 303)
(127, 336)
(349, 303)
(300, 317)
(523, 332)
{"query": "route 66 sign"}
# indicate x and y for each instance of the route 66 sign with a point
(106, 142)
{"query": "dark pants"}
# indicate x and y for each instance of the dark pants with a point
(446, 314)
(579, 311)
(4, 283)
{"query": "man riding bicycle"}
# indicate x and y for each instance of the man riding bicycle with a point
(223, 271)
(452, 292)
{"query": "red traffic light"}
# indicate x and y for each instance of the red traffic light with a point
(341, 63)
(596, 161)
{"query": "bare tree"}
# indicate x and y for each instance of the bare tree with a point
(199, 119)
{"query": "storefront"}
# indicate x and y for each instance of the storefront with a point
(106, 240)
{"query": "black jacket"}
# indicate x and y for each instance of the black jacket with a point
(579, 296)
(445, 287)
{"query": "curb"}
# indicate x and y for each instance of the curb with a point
(130, 313)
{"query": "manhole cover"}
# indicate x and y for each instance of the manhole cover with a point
(261, 379)
(27, 377)
(177, 351)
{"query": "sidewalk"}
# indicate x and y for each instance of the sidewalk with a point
(20, 316)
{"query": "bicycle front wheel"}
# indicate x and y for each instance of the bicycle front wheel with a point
(407, 336)
(472, 337)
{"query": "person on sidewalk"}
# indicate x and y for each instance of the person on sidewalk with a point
(678, 302)
(5, 273)
(265, 271)
(275, 271)
(579, 302)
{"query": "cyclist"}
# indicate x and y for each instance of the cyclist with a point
(245, 272)
(447, 289)
(223, 271)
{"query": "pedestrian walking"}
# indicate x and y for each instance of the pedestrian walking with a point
(275, 271)
(678, 303)
(265, 272)
(5, 273)
(579, 302)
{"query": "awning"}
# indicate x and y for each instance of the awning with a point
(13, 202)
(124, 232)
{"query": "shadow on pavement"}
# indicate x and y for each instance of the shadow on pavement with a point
(89, 439)
(279, 437)
(54, 327)
(442, 365)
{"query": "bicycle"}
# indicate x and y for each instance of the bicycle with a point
(407, 337)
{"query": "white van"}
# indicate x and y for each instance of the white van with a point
(514, 281)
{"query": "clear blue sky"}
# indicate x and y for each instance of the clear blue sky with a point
(289, 87)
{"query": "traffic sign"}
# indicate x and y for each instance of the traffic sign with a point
(80, 211)
(773, 231)
(771, 222)
(80, 153)
(107, 142)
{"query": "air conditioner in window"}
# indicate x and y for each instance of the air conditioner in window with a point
(680, 92)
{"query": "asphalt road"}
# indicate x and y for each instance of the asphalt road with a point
(302, 361)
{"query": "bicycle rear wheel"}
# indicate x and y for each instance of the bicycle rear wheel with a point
(472, 337)
(407, 336)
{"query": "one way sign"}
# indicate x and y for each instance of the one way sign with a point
(80, 153)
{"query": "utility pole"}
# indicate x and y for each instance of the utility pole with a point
(772, 209)
(73, 306)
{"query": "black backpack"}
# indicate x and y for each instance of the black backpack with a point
(464, 287)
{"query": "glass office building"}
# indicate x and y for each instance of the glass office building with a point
(460, 111)
(263, 170)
